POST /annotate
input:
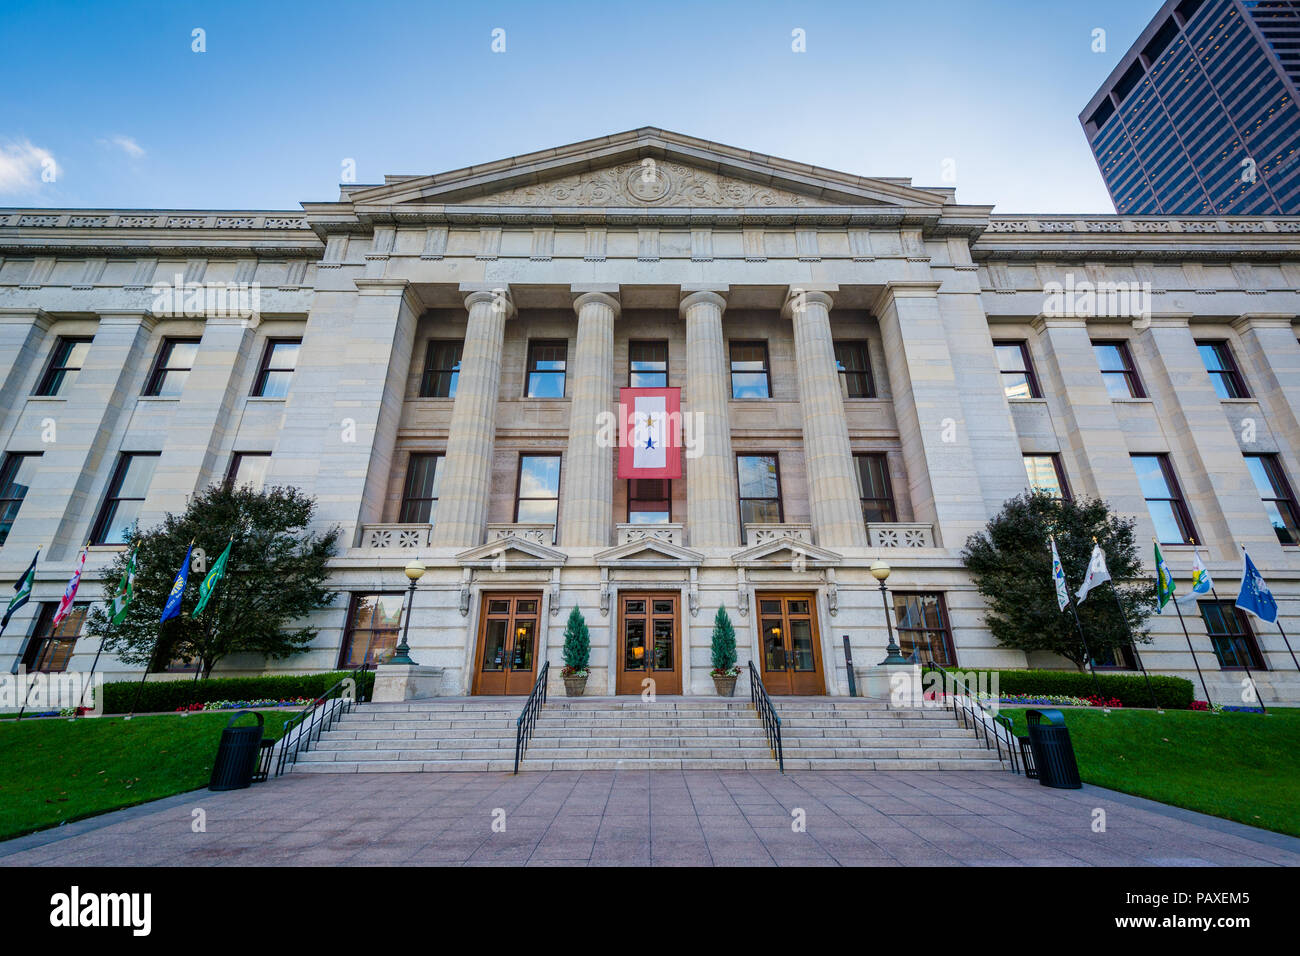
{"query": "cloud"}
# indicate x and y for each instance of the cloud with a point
(125, 143)
(22, 166)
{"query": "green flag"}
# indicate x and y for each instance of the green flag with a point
(125, 590)
(1164, 580)
(22, 591)
(210, 581)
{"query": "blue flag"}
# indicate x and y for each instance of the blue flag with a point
(173, 605)
(1255, 597)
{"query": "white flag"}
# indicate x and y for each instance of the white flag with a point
(1058, 578)
(1097, 572)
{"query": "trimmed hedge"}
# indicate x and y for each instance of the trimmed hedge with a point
(170, 695)
(1172, 693)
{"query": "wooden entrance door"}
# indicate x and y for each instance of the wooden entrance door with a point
(792, 655)
(507, 644)
(649, 629)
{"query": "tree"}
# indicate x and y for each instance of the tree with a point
(577, 644)
(1011, 563)
(724, 644)
(275, 578)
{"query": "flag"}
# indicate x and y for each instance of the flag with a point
(125, 590)
(1255, 597)
(210, 581)
(70, 592)
(1097, 573)
(22, 591)
(649, 433)
(1058, 576)
(173, 605)
(1202, 583)
(1164, 581)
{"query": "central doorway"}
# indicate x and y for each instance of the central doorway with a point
(507, 644)
(649, 629)
(792, 656)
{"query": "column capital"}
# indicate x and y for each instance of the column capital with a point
(798, 298)
(582, 299)
(1165, 320)
(1262, 320)
(704, 296)
(904, 289)
(1042, 322)
(141, 317)
(499, 298)
(37, 317)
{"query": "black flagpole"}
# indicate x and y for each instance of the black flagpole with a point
(1087, 652)
(1131, 642)
(1191, 650)
(1245, 663)
(1278, 622)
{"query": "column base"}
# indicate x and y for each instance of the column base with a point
(898, 685)
(395, 683)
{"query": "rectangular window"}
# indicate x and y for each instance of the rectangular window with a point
(279, 361)
(922, 624)
(1117, 369)
(126, 493)
(51, 647)
(1231, 636)
(16, 477)
(1018, 378)
(248, 468)
(1275, 492)
(441, 369)
(371, 633)
(854, 365)
(420, 497)
(647, 364)
(1114, 658)
(1164, 499)
(65, 362)
(749, 370)
(538, 499)
(1223, 370)
(874, 489)
(1046, 474)
(547, 362)
(649, 501)
(760, 489)
(172, 368)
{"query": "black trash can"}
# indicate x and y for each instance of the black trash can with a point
(238, 755)
(1053, 753)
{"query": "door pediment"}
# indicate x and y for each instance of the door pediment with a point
(785, 552)
(648, 553)
(511, 552)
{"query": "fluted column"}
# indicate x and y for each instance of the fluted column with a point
(712, 508)
(466, 485)
(828, 457)
(587, 500)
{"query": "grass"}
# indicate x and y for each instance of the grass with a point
(54, 771)
(1236, 766)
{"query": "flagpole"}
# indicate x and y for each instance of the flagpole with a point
(158, 640)
(1087, 651)
(1278, 622)
(1245, 664)
(1131, 642)
(1173, 599)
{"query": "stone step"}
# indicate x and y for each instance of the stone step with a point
(428, 741)
(533, 764)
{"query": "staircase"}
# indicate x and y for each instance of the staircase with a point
(673, 733)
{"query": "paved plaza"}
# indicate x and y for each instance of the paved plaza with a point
(671, 818)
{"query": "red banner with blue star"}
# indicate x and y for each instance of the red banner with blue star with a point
(649, 432)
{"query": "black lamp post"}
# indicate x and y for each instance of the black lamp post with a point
(414, 571)
(880, 571)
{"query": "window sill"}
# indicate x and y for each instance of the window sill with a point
(1239, 401)
(159, 398)
(47, 398)
(268, 399)
(1027, 401)
(1133, 401)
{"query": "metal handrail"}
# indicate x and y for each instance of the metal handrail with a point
(528, 716)
(766, 713)
(967, 708)
(290, 748)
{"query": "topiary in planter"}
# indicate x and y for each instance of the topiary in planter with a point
(725, 669)
(577, 654)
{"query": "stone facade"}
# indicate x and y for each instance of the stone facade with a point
(651, 235)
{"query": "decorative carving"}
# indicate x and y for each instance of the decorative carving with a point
(832, 592)
(555, 592)
(670, 184)
(395, 537)
(756, 534)
(693, 593)
(604, 592)
(38, 221)
(543, 534)
(900, 535)
(742, 593)
(670, 533)
(83, 222)
(466, 577)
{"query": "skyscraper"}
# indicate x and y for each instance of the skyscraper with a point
(1200, 115)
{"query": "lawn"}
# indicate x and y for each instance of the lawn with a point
(1238, 766)
(56, 770)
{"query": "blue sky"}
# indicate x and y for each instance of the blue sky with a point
(286, 92)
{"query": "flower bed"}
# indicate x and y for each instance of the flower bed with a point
(244, 704)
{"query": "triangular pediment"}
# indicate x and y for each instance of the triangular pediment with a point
(511, 552)
(649, 553)
(785, 551)
(647, 168)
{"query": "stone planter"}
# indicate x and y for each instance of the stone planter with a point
(725, 686)
(574, 686)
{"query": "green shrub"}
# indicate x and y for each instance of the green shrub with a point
(170, 695)
(1172, 693)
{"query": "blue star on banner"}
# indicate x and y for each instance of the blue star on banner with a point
(1255, 597)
